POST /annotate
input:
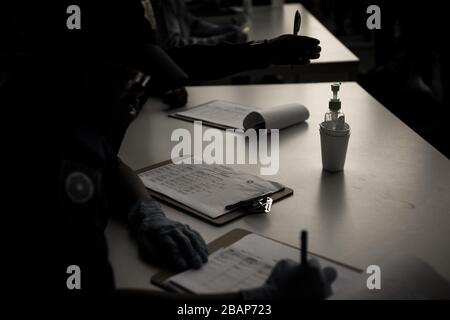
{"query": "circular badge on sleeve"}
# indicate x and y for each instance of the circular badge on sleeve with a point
(79, 187)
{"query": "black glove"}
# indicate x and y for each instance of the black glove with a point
(165, 241)
(290, 280)
(290, 49)
(175, 98)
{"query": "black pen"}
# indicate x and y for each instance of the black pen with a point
(247, 203)
(297, 22)
(304, 248)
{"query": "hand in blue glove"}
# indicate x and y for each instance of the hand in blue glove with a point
(290, 280)
(165, 241)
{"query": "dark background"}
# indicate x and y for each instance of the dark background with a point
(403, 65)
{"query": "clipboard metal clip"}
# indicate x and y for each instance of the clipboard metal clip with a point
(266, 204)
(261, 204)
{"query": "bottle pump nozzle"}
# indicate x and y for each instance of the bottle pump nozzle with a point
(335, 103)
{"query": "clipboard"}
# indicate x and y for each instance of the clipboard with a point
(204, 122)
(216, 125)
(228, 217)
(228, 239)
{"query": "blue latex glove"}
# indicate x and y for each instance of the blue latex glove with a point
(290, 280)
(165, 241)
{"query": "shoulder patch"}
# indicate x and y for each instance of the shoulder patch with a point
(79, 187)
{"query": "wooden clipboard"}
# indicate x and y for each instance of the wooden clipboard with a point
(228, 239)
(286, 192)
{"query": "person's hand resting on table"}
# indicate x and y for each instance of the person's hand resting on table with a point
(290, 280)
(165, 241)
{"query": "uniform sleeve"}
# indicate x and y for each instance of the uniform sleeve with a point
(84, 216)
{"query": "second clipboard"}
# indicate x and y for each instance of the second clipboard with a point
(221, 220)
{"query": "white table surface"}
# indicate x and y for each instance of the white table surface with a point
(393, 196)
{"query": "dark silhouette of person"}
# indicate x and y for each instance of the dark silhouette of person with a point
(177, 27)
(83, 90)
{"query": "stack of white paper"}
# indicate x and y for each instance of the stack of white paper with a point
(234, 115)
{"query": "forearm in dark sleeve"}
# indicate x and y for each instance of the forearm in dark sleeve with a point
(126, 189)
(209, 62)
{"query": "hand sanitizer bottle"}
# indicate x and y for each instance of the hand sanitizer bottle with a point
(335, 118)
(334, 135)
